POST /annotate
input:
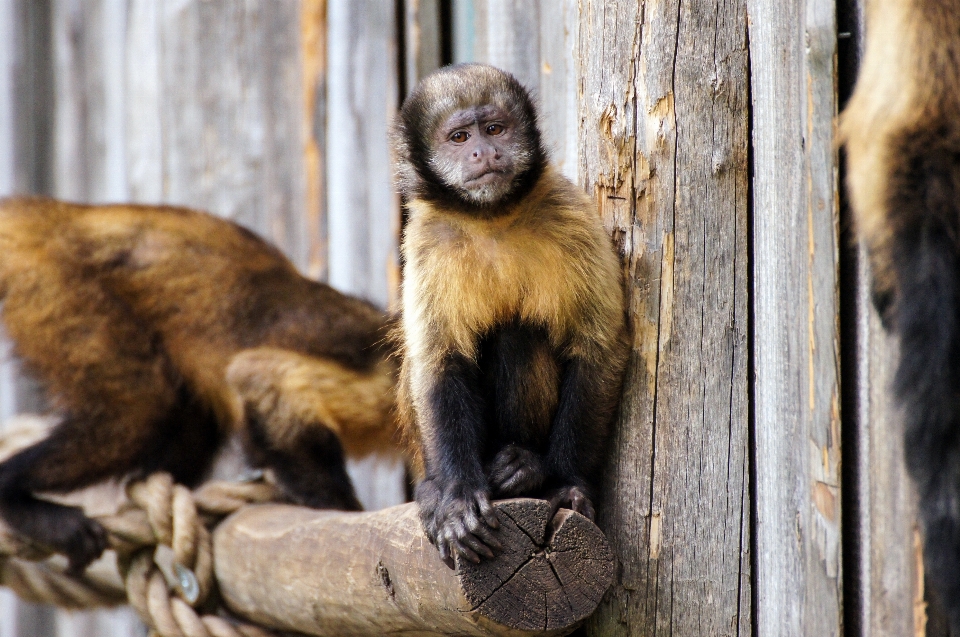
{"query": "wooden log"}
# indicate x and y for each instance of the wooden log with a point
(335, 573)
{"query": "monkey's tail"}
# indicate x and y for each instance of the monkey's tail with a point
(924, 215)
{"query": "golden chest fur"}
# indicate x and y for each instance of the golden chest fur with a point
(539, 263)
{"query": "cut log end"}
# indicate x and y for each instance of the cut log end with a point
(552, 573)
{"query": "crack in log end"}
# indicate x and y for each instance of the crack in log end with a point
(561, 566)
(383, 575)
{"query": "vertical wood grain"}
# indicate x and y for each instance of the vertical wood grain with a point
(421, 40)
(363, 210)
(504, 33)
(313, 46)
(231, 120)
(663, 148)
(559, 70)
(363, 97)
(798, 579)
(891, 574)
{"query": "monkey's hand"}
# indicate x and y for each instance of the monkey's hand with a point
(458, 520)
(64, 529)
(573, 498)
(516, 471)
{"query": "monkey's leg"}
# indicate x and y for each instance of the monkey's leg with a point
(296, 407)
(80, 451)
(111, 378)
(454, 497)
(589, 393)
(522, 376)
(924, 213)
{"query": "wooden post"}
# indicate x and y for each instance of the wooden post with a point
(663, 149)
(371, 574)
(796, 328)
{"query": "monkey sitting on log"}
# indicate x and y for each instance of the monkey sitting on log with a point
(157, 331)
(901, 131)
(513, 331)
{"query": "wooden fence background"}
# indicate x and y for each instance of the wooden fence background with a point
(757, 485)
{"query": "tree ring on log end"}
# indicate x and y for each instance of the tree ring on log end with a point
(551, 574)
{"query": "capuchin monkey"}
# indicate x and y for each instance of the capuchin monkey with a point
(158, 331)
(902, 136)
(513, 329)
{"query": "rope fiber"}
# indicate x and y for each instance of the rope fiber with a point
(162, 559)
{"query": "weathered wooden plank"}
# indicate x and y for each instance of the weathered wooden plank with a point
(88, 151)
(363, 210)
(891, 573)
(231, 120)
(143, 143)
(793, 46)
(363, 96)
(8, 52)
(313, 54)
(505, 33)
(664, 151)
(421, 39)
(559, 66)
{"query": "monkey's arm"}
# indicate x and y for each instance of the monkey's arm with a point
(454, 497)
(589, 394)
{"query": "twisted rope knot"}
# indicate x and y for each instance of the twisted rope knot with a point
(164, 555)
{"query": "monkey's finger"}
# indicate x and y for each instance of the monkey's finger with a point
(581, 504)
(487, 536)
(503, 472)
(479, 528)
(464, 551)
(519, 476)
(488, 512)
(445, 554)
(507, 456)
(475, 542)
(585, 508)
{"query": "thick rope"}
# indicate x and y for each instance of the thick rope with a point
(164, 554)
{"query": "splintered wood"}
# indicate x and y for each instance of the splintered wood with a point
(335, 573)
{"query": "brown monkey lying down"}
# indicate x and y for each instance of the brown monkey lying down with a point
(157, 331)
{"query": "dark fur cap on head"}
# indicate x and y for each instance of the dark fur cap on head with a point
(432, 101)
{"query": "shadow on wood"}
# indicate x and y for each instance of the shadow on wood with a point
(336, 573)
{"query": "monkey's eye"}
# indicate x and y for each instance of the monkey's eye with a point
(495, 129)
(460, 136)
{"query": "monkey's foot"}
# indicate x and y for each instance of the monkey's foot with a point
(516, 471)
(64, 529)
(458, 520)
(573, 498)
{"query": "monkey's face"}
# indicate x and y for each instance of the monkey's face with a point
(479, 151)
(466, 139)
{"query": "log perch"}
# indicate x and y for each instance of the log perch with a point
(335, 573)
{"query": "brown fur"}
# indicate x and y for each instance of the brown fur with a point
(157, 331)
(902, 136)
(547, 261)
(909, 81)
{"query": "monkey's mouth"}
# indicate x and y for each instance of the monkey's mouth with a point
(484, 178)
